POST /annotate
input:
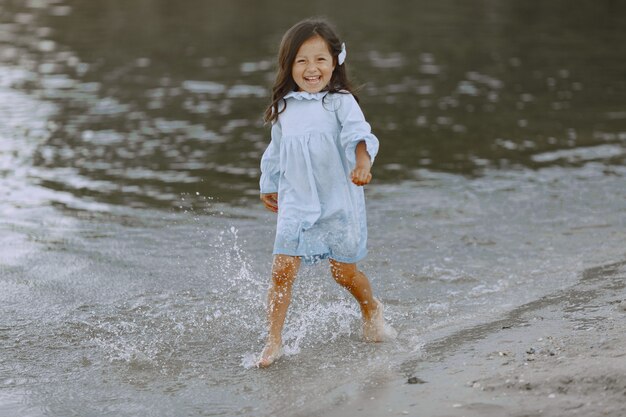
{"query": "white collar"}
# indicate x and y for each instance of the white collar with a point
(304, 95)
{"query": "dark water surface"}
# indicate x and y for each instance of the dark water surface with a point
(134, 254)
(153, 99)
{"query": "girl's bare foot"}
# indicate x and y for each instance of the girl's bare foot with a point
(271, 352)
(374, 329)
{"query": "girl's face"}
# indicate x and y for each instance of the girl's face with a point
(313, 66)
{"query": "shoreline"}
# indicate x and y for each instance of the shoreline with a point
(562, 354)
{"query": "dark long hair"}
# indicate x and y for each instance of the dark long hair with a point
(289, 46)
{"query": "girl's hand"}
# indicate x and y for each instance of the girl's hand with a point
(361, 175)
(270, 201)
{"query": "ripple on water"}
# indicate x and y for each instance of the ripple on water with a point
(581, 154)
(204, 87)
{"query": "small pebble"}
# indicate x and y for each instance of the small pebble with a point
(531, 351)
(415, 380)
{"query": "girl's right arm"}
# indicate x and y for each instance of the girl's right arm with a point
(270, 170)
(270, 201)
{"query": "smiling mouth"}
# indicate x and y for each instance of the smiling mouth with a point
(313, 80)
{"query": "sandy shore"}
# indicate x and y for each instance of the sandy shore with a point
(562, 355)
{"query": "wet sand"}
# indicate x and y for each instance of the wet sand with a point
(561, 355)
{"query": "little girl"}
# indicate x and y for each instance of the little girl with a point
(312, 175)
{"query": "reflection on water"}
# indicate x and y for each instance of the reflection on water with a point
(172, 106)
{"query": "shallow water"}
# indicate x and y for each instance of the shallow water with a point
(134, 254)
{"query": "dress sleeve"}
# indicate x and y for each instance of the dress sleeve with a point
(354, 129)
(270, 162)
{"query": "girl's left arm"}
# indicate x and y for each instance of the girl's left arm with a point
(360, 145)
(361, 174)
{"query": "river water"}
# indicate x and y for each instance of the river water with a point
(134, 253)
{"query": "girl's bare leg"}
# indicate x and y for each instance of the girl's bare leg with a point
(284, 270)
(355, 281)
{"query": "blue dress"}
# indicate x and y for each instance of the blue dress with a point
(321, 213)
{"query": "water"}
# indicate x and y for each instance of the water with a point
(134, 253)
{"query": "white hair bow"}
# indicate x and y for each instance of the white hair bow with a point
(342, 55)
